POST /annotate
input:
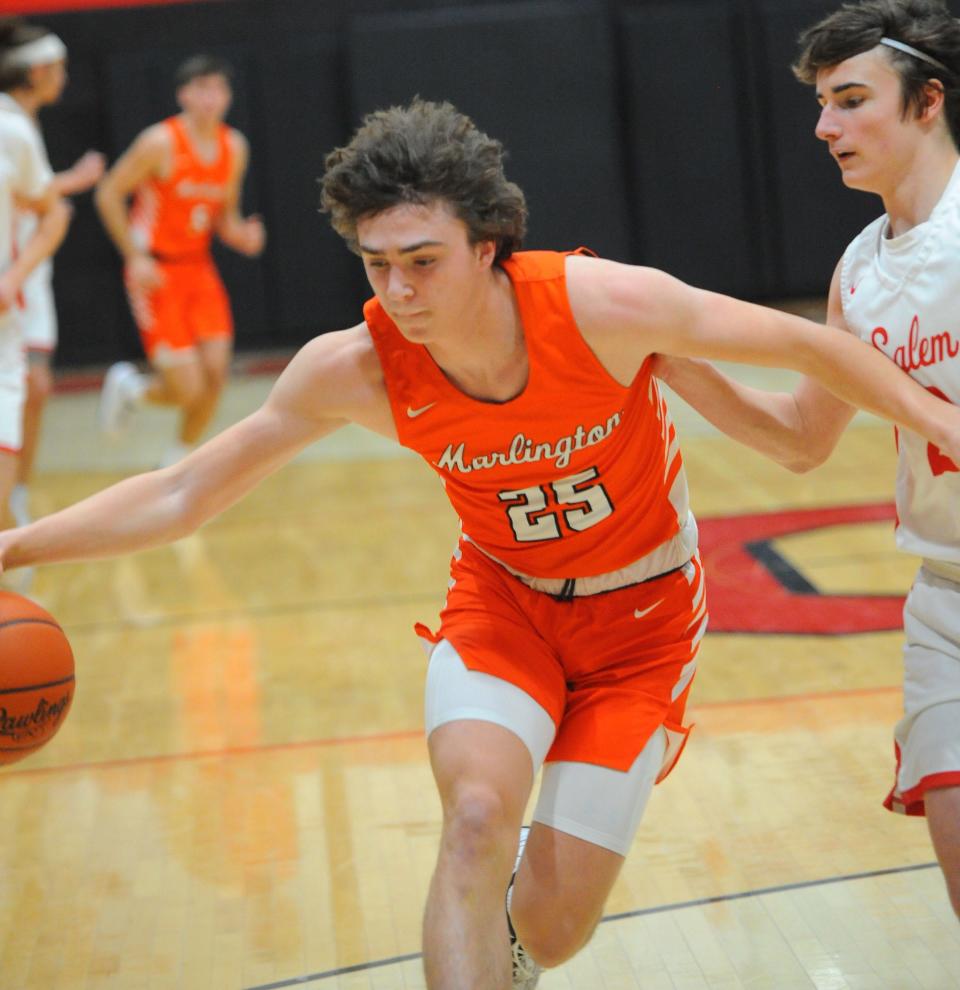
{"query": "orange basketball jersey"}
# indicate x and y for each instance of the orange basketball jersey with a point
(173, 218)
(577, 475)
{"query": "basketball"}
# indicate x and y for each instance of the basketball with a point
(36, 677)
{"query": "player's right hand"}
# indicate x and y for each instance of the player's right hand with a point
(88, 169)
(142, 272)
(9, 292)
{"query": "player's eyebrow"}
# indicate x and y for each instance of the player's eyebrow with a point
(842, 87)
(404, 250)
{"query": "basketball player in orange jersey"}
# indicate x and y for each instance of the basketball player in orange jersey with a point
(887, 77)
(576, 607)
(185, 175)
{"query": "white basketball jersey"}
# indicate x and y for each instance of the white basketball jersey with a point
(27, 221)
(902, 295)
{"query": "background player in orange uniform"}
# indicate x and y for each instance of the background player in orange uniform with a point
(571, 627)
(186, 175)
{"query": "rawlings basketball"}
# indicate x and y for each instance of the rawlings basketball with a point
(36, 677)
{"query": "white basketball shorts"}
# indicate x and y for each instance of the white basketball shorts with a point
(928, 736)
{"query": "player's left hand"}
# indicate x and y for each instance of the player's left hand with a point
(252, 236)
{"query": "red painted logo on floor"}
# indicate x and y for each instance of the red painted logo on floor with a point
(752, 589)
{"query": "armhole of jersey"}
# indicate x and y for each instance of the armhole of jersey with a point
(845, 295)
(176, 134)
(178, 146)
(647, 361)
(381, 345)
(226, 148)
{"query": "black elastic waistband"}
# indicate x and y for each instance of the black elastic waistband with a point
(180, 259)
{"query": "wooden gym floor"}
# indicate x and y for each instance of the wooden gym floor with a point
(240, 797)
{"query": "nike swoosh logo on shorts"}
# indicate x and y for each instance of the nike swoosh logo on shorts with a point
(639, 613)
(414, 413)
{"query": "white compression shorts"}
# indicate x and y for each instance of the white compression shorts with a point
(928, 735)
(593, 803)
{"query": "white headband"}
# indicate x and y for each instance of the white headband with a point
(902, 46)
(43, 51)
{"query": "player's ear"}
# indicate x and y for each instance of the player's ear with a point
(932, 100)
(486, 252)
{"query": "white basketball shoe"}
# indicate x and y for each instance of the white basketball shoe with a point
(123, 388)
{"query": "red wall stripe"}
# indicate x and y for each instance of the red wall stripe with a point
(57, 6)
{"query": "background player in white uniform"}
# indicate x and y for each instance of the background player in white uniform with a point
(887, 74)
(34, 80)
(25, 183)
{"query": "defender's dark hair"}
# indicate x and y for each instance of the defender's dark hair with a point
(926, 25)
(14, 32)
(423, 153)
(202, 65)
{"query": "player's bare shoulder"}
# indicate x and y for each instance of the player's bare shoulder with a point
(155, 139)
(618, 309)
(151, 153)
(610, 296)
(338, 376)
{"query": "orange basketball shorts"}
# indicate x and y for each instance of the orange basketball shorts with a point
(609, 669)
(190, 306)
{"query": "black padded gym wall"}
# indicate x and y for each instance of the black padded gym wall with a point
(815, 214)
(314, 283)
(538, 76)
(693, 174)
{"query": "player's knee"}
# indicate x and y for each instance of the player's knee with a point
(188, 394)
(477, 824)
(555, 933)
(216, 380)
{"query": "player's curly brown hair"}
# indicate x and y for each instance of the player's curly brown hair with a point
(423, 153)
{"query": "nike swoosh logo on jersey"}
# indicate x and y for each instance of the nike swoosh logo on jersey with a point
(414, 413)
(639, 613)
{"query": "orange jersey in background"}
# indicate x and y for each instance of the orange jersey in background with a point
(173, 218)
(577, 475)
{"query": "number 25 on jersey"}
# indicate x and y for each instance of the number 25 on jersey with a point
(545, 512)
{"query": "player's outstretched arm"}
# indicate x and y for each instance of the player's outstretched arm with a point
(798, 429)
(309, 401)
(627, 313)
